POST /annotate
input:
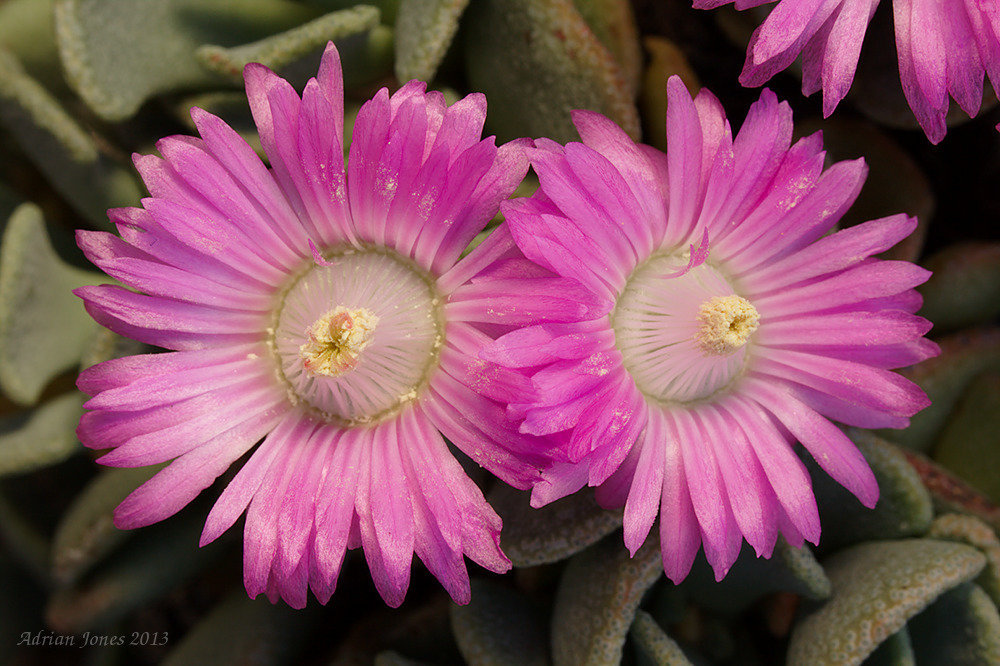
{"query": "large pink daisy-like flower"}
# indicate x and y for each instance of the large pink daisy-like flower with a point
(944, 47)
(323, 309)
(723, 325)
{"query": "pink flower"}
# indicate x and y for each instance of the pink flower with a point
(720, 324)
(944, 47)
(314, 305)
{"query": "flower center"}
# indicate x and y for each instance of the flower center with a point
(357, 338)
(726, 324)
(336, 340)
(683, 338)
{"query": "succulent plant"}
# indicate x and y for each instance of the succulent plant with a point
(85, 83)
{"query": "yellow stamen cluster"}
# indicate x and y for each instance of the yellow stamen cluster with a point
(336, 341)
(727, 322)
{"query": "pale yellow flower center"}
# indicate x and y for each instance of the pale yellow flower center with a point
(727, 322)
(336, 340)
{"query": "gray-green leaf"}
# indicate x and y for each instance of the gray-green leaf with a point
(119, 53)
(553, 532)
(904, 507)
(961, 628)
(86, 531)
(499, 627)
(877, 587)
(64, 151)
(597, 600)
(653, 644)
(44, 328)
(277, 51)
(537, 60)
(44, 437)
(424, 31)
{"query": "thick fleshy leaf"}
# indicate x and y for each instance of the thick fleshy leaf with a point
(597, 600)
(613, 22)
(944, 379)
(968, 444)
(877, 587)
(40, 438)
(965, 287)
(787, 570)
(26, 31)
(961, 628)
(242, 631)
(500, 627)
(154, 562)
(282, 49)
(65, 152)
(553, 532)
(119, 53)
(897, 650)
(86, 531)
(43, 327)
(904, 506)
(974, 532)
(537, 60)
(653, 643)
(425, 30)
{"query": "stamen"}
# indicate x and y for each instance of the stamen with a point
(727, 322)
(336, 340)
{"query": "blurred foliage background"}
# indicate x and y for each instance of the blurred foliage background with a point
(84, 83)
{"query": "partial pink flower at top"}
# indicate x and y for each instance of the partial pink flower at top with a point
(720, 324)
(314, 305)
(944, 47)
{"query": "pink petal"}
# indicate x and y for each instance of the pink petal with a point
(174, 487)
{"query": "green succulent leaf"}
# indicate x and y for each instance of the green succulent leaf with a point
(537, 60)
(41, 438)
(945, 378)
(974, 532)
(968, 444)
(897, 650)
(553, 532)
(653, 645)
(26, 31)
(951, 494)
(961, 628)
(904, 507)
(424, 31)
(86, 531)
(750, 578)
(240, 630)
(57, 145)
(282, 49)
(597, 599)
(44, 328)
(499, 627)
(154, 561)
(877, 587)
(119, 53)
(613, 22)
(965, 287)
